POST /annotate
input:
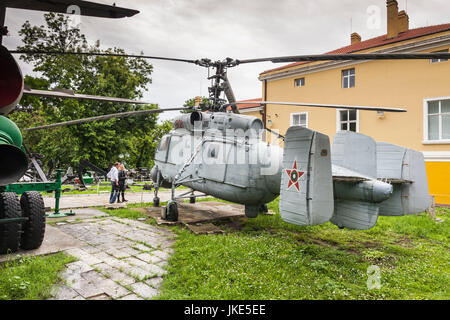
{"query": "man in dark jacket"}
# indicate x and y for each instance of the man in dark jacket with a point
(122, 184)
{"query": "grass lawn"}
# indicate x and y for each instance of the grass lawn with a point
(265, 258)
(31, 278)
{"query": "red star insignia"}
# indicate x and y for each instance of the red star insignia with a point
(294, 176)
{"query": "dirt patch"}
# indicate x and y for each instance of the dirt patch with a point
(371, 244)
(232, 224)
(404, 241)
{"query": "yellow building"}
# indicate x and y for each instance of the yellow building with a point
(420, 86)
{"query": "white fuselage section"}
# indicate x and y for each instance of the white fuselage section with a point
(229, 163)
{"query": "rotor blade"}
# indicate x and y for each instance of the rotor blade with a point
(354, 56)
(104, 117)
(279, 136)
(317, 105)
(68, 94)
(100, 54)
(84, 8)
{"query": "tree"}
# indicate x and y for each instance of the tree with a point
(101, 142)
(204, 104)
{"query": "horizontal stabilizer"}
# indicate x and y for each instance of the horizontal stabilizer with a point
(306, 191)
(406, 169)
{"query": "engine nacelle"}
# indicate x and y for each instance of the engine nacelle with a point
(11, 82)
(190, 120)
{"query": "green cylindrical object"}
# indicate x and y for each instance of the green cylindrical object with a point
(13, 161)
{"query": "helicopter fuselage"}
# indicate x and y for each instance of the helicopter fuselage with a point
(222, 155)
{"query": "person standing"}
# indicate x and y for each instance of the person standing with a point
(113, 175)
(122, 186)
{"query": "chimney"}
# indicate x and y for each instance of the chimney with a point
(392, 19)
(403, 21)
(355, 38)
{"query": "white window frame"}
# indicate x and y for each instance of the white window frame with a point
(295, 82)
(299, 113)
(348, 77)
(338, 120)
(432, 61)
(425, 122)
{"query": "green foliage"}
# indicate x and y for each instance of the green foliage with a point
(31, 278)
(144, 145)
(204, 104)
(100, 142)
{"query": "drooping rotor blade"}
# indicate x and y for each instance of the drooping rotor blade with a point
(104, 117)
(68, 94)
(350, 56)
(230, 95)
(279, 136)
(317, 105)
(84, 8)
(100, 54)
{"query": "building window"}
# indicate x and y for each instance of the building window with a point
(437, 120)
(348, 78)
(348, 120)
(439, 60)
(299, 119)
(299, 82)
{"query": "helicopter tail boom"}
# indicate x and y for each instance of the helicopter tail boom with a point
(350, 184)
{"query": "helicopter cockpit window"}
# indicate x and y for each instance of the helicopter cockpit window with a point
(164, 143)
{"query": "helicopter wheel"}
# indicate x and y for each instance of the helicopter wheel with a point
(10, 233)
(192, 200)
(264, 208)
(156, 202)
(171, 211)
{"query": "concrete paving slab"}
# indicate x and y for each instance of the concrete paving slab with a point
(108, 265)
(55, 240)
(204, 228)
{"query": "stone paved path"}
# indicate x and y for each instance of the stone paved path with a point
(118, 259)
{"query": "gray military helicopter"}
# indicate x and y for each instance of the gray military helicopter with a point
(219, 152)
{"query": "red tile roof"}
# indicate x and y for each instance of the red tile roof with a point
(379, 41)
(247, 105)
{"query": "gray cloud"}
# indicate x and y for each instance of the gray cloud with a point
(232, 28)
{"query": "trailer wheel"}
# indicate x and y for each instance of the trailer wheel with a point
(33, 208)
(10, 232)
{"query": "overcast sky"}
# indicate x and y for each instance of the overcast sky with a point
(240, 29)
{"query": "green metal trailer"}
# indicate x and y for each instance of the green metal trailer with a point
(22, 222)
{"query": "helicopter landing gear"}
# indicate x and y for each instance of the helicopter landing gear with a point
(192, 200)
(171, 211)
(263, 208)
(251, 211)
(156, 198)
